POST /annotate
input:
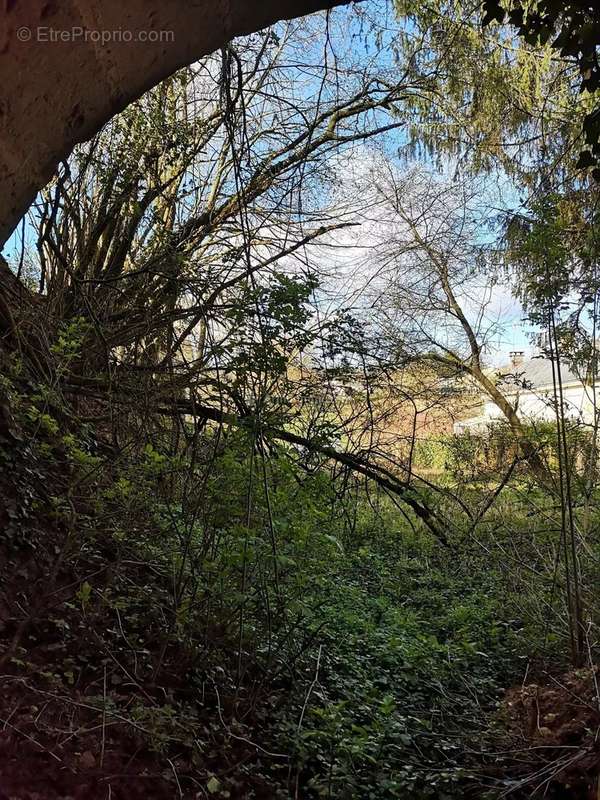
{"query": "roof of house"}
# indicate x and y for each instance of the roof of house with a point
(534, 373)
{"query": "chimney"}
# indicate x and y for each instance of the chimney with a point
(516, 357)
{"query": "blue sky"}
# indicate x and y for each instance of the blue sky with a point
(354, 38)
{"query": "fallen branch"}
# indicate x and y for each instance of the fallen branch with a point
(190, 407)
(374, 472)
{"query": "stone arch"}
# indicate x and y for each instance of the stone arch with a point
(67, 66)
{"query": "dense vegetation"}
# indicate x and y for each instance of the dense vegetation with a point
(235, 561)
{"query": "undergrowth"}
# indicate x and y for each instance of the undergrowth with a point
(238, 622)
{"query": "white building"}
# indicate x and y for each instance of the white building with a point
(529, 385)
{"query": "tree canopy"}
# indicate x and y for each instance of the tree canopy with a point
(299, 424)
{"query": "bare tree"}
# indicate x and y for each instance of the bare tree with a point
(440, 267)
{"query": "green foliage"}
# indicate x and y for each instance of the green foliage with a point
(409, 658)
(69, 341)
(251, 608)
(384, 660)
(543, 255)
(431, 453)
(270, 325)
(573, 29)
(314, 619)
(493, 85)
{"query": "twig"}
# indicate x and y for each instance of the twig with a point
(5, 722)
(103, 720)
(176, 778)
